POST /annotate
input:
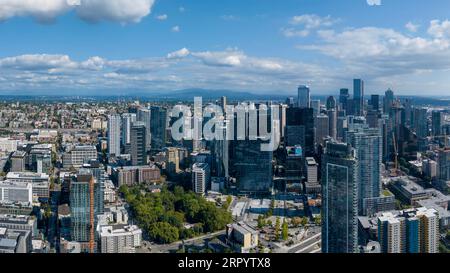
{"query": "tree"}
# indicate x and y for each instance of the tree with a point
(163, 233)
(304, 221)
(285, 232)
(277, 229)
(317, 220)
(296, 221)
(261, 222)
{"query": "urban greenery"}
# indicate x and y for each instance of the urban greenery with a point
(164, 215)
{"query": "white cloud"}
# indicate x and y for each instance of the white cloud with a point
(122, 11)
(374, 2)
(410, 26)
(439, 29)
(176, 29)
(303, 25)
(230, 68)
(184, 52)
(162, 17)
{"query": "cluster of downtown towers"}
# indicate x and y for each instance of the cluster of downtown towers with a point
(345, 138)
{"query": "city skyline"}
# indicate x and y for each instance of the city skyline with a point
(253, 46)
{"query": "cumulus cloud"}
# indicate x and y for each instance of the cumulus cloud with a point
(204, 69)
(303, 25)
(184, 52)
(410, 26)
(122, 11)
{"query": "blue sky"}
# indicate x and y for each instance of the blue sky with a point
(262, 46)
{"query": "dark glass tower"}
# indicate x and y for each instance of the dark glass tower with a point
(340, 199)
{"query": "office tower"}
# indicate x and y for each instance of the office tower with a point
(437, 118)
(200, 177)
(223, 103)
(373, 118)
(18, 159)
(444, 164)
(144, 116)
(85, 205)
(138, 144)
(290, 102)
(158, 127)
(312, 184)
(375, 102)
(331, 103)
(221, 154)
(79, 155)
(343, 99)
(409, 231)
(16, 192)
(429, 169)
(340, 199)
(172, 160)
(300, 129)
(332, 122)
(421, 122)
(315, 105)
(294, 163)
(252, 167)
(368, 146)
(127, 121)
(304, 97)
(341, 127)
(358, 97)
(407, 104)
(114, 122)
(322, 128)
(388, 101)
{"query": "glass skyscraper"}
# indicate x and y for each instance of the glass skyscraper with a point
(368, 146)
(340, 199)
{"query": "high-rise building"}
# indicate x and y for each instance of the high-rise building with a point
(304, 97)
(312, 184)
(315, 105)
(358, 97)
(85, 204)
(421, 122)
(444, 164)
(138, 143)
(331, 103)
(144, 116)
(172, 160)
(158, 127)
(437, 119)
(18, 159)
(252, 167)
(322, 128)
(343, 99)
(375, 102)
(200, 177)
(300, 129)
(127, 121)
(332, 122)
(340, 199)
(368, 146)
(114, 124)
(388, 101)
(410, 231)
